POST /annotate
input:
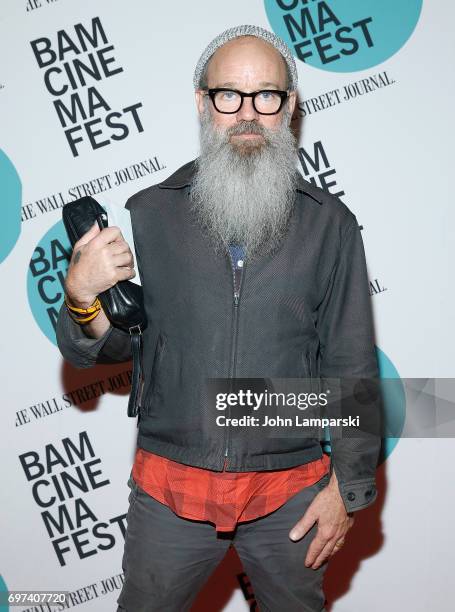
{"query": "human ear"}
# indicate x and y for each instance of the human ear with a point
(292, 101)
(199, 95)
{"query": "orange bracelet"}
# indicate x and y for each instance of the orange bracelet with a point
(84, 319)
(84, 315)
(96, 306)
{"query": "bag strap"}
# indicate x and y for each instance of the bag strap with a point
(136, 378)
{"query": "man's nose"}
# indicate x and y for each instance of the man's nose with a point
(247, 112)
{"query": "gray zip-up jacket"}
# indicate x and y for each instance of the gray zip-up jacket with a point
(302, 311)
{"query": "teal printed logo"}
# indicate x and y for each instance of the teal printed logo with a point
(11, 202)
(341, 35)
(45, 278)
(394, 401)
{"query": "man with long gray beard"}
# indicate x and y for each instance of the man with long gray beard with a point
(248, 272)
(244, 184)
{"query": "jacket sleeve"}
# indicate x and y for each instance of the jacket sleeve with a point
(114, 346)
(83, 352)
(346, 334)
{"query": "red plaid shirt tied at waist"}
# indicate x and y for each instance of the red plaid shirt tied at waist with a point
(223, 498)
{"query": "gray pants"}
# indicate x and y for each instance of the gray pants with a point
(167, 559)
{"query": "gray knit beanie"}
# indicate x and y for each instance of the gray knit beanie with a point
(247, 30)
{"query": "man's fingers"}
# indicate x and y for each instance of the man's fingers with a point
(109, 234)
(123, 259)
(100, 237)
(316, 557)
(305, 524)
(316, 547)
(119, 246)
(126, 273)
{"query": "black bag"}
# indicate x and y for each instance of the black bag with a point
(124, 302)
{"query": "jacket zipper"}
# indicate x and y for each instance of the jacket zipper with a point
(235, 316)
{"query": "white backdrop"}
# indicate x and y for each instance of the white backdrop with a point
(388, 150)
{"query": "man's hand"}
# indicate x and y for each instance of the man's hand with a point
(328, 509)
(100, 259)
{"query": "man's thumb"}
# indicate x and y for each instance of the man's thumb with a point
(92, 232)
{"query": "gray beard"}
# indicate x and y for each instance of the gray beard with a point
(244, 194)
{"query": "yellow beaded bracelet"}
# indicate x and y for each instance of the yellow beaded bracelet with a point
(83, 315)
(95, 307)
(85, 319)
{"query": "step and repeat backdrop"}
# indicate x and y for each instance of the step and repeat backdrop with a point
(96, 98)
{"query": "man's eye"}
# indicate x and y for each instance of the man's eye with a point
(266, 96)
(229, 95)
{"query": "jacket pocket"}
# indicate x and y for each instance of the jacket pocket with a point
(154, 374)
(309, 365)
(323, 482)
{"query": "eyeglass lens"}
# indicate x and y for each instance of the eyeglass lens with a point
(264, 101)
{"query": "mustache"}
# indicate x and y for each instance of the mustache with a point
(247, 127)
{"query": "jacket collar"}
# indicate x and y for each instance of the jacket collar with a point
(181, 177)
(184, 175)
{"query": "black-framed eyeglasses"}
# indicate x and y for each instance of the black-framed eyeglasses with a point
(265, 101)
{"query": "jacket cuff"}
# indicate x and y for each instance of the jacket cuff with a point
(358, 494)
(77, 348)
